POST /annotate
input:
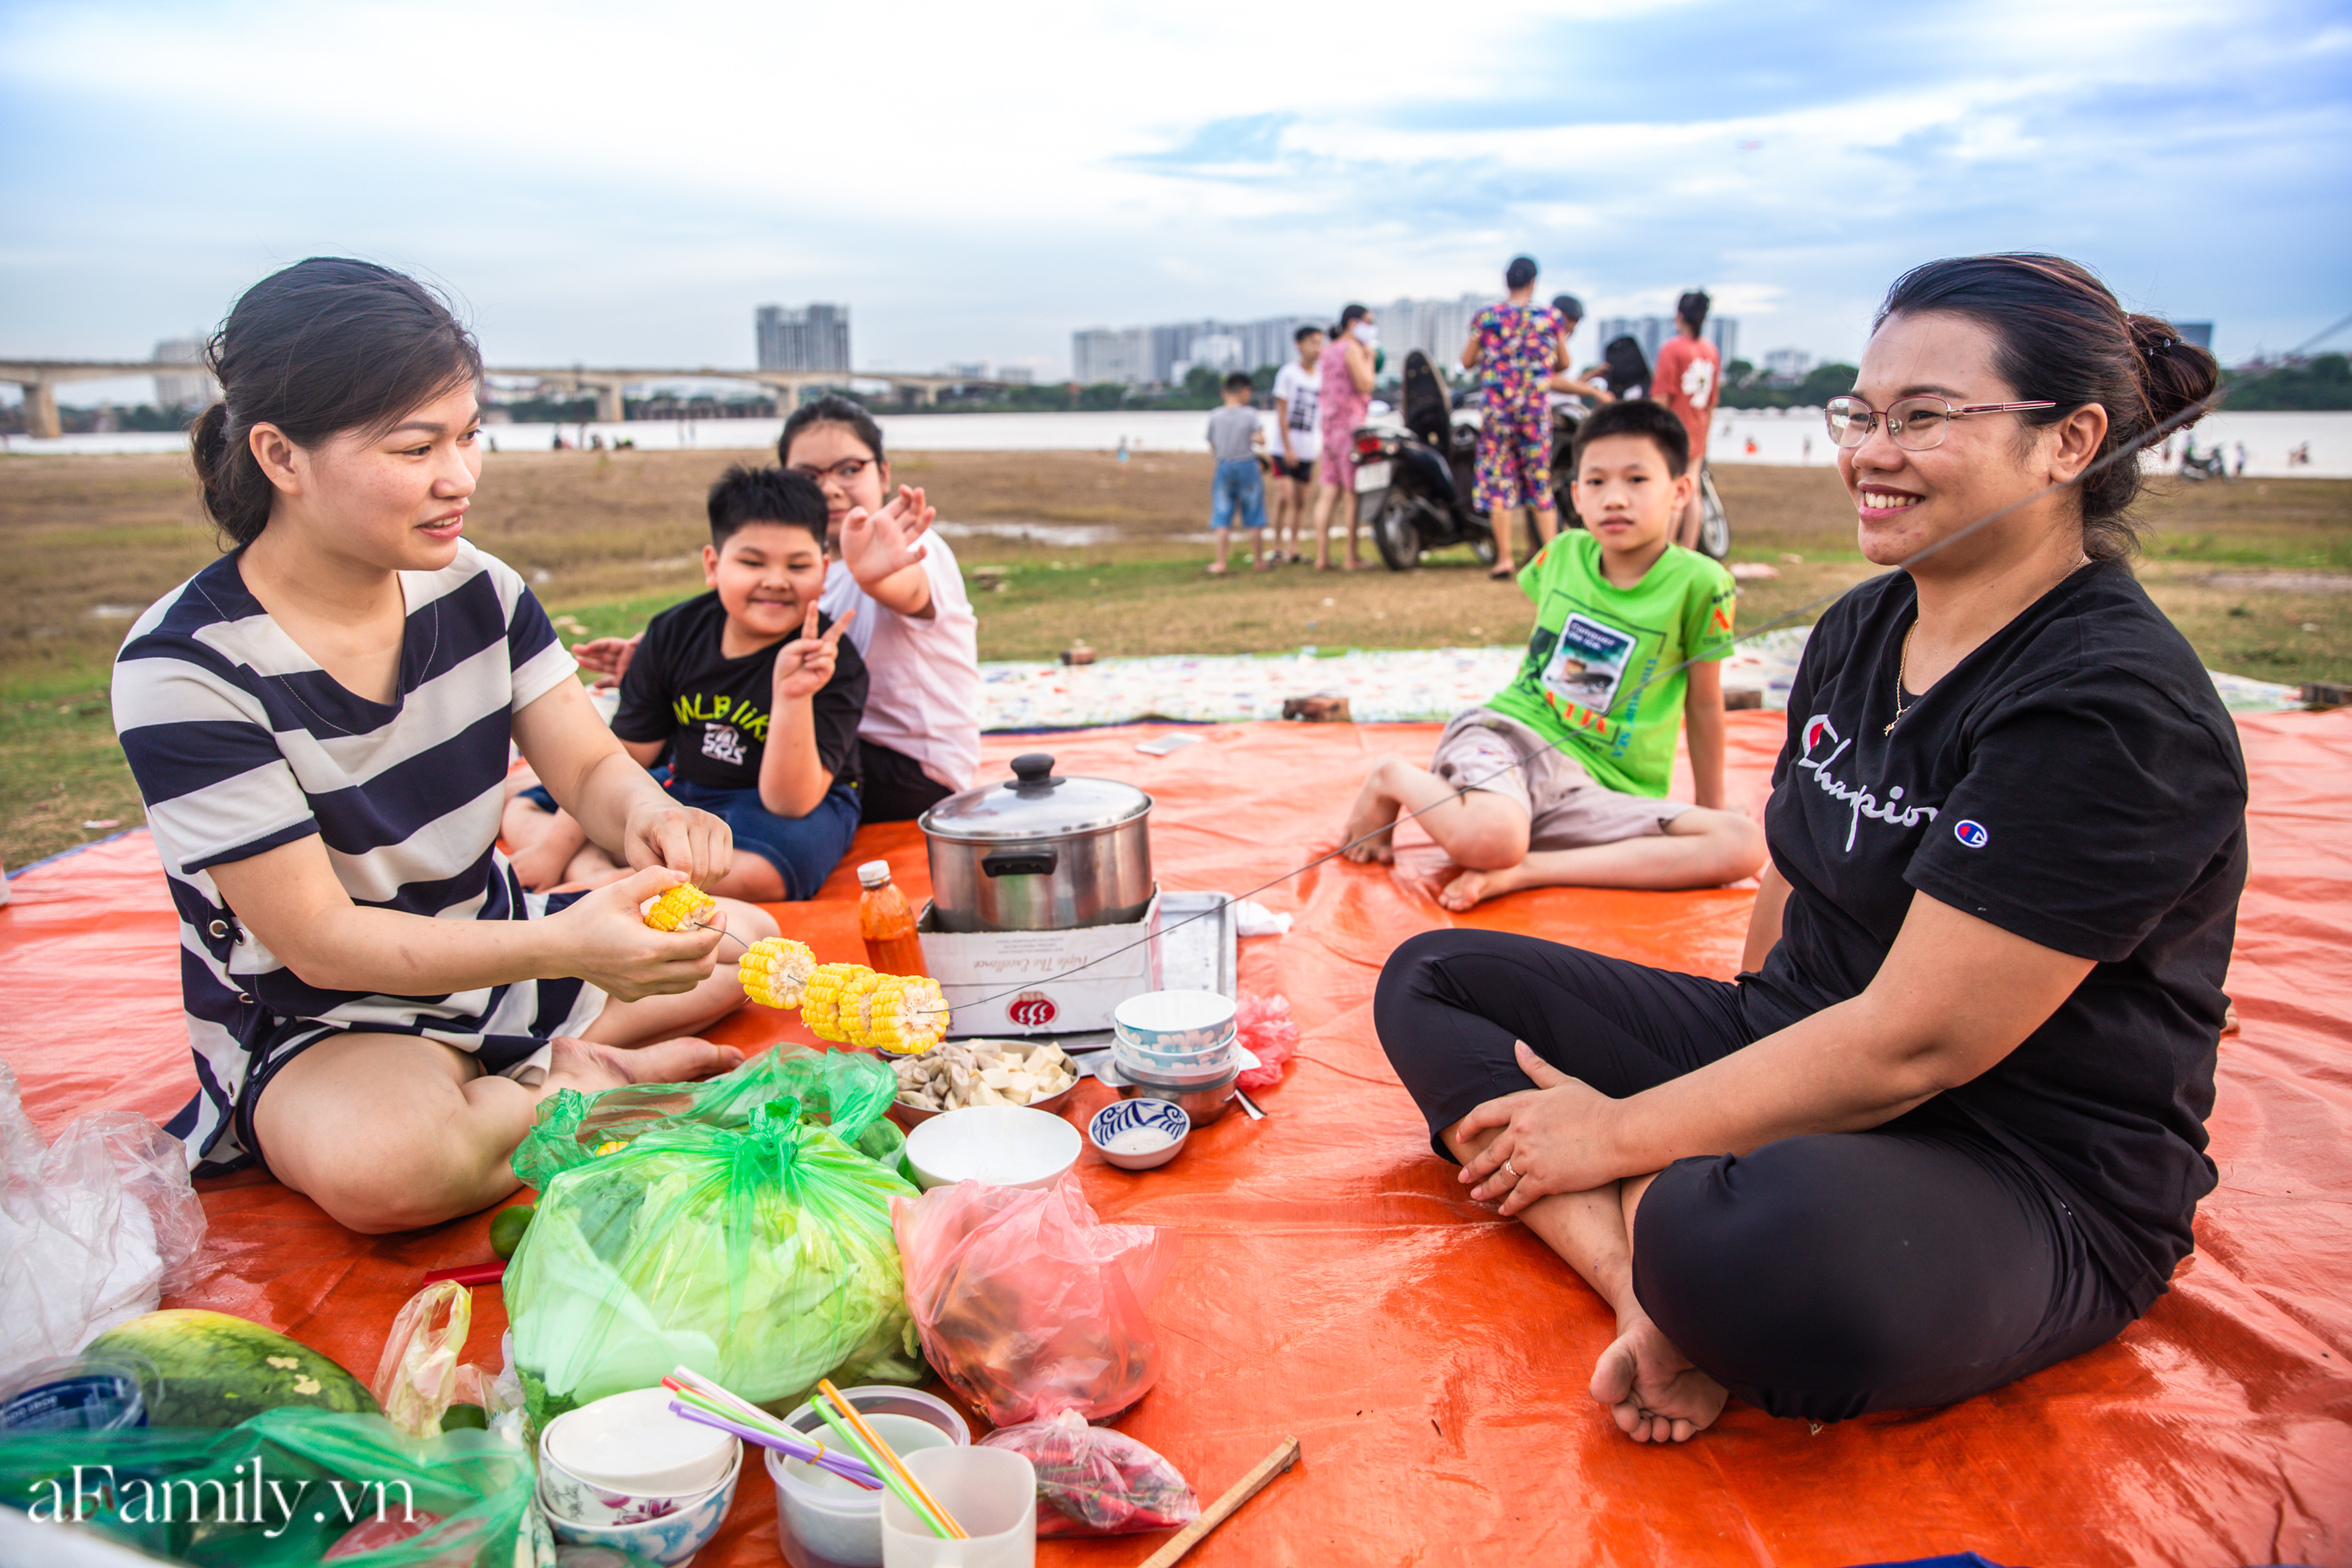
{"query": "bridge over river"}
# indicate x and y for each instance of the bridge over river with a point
(39, 379)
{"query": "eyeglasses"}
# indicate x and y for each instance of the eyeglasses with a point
(847, 470)
(1914, 424)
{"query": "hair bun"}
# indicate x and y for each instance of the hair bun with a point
(2175, 375)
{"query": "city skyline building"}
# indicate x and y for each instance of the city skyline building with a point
(816, 337)
(196, 390)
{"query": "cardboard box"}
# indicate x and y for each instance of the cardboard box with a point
(1040, 982)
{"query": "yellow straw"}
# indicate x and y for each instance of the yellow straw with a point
(882, 1450)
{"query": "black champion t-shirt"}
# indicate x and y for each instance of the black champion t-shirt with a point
(2077, 782)
(713, 710)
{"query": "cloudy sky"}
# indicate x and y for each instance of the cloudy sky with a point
(607, 183)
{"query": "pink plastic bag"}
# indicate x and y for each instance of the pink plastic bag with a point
(1094, 1481)
(1027, 1304)
(1263, 1024)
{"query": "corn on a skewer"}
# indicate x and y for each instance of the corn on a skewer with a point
(682, 907)
(822, 1001)
(904, 1013)
(775, 971)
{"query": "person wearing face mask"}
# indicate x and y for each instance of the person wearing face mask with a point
(1947, 1127)
(1348, 369)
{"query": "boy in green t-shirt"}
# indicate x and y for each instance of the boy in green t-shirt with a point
(1560, 777)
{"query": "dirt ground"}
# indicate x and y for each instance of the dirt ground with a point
(1088, 549)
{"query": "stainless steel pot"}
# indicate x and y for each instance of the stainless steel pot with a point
(1039, 852)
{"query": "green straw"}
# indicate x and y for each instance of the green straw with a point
(888, 1476)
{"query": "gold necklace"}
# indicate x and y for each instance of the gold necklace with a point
(1901, 678)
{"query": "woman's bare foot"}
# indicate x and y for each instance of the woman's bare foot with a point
(1653, 1391)
(1374, 812)
(1466, 890)
(588, 1066)
(540, 867)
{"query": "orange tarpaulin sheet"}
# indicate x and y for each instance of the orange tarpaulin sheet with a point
(1335, 1283)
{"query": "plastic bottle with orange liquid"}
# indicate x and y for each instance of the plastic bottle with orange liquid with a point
(887, 923)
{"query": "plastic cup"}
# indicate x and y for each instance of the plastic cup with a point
(991, 1492)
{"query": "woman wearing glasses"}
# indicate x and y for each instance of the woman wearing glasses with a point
(1948, 1126)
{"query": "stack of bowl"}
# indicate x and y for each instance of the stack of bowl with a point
(1177, 1046)
(627, 1472)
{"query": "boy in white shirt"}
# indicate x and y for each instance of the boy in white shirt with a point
(1299, 437)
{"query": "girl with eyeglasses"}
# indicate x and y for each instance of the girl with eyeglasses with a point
(1948, 1126)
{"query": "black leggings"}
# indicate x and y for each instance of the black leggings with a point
(1819, 1277)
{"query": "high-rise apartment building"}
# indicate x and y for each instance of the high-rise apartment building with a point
(816, 338)
(1722, 332)
(1121, 354)
(197, 389)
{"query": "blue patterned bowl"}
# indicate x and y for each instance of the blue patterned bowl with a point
(1162, 1117)
(671, 1539)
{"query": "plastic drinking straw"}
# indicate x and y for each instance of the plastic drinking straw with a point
(809, 1453)
(882, 1450)
(695, 1388)
(898, 1487)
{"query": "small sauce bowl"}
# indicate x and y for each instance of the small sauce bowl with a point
(1125, 1119)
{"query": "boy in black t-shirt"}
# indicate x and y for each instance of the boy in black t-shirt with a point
(752, 694)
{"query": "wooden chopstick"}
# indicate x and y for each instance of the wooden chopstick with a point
(1216, 1513)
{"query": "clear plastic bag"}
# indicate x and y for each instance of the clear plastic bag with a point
(283, 1488)
(93, 1228)
(760, 1256)
(1094, 1481)
(420, 1376)
(1027, 1304)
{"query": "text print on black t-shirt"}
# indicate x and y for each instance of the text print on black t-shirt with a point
(725, 721)
(1894, 809)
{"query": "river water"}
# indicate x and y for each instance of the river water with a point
(1783, 436)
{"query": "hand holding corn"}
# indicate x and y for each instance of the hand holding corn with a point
(845, 1003)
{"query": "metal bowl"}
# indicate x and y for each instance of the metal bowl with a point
(913, 1116)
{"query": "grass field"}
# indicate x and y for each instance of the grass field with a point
(2254, 572)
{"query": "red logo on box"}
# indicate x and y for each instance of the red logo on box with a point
(1032, 1009)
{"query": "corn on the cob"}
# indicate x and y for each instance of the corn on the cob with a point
(823, 1000)
(903, 1014)
(775, 971)
(683, 906)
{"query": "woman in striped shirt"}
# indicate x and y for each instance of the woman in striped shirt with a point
(319, 723)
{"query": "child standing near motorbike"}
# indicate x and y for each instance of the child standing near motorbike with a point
(1689, 380)
(1560, 778)
(1297, 394)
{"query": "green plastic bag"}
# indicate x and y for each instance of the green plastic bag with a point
(760, 1256)
(846, 1090)
(282, 1488)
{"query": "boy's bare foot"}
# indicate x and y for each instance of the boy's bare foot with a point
(1653, 1391)
(1466, 890)
(588, 1066)
(1374, 812)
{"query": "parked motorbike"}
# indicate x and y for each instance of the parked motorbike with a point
(2211, 465)
(1430, 503)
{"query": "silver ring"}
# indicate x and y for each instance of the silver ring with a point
(1508, 1166)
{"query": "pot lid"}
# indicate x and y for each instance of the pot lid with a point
(1036, 803)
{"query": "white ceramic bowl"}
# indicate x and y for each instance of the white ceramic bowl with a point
(1175, 1020)
(671, 1539)
(1003, 1145)
(629, 1458)
(1162, 1117)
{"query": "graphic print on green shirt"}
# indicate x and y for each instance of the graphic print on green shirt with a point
(1585, 684)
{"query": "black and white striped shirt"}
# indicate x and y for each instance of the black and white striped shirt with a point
(241, 742)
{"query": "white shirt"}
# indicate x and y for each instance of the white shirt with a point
(922, 696)
(1303, 392)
